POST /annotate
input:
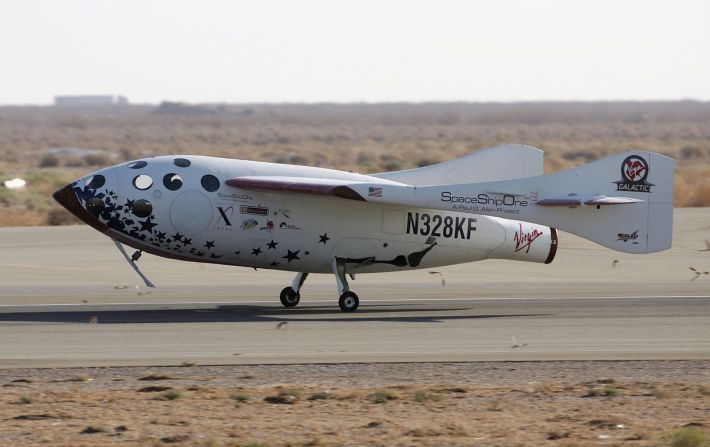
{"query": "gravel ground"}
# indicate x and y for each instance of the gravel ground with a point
(631, 403)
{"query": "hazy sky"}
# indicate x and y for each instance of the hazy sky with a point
(360, 50)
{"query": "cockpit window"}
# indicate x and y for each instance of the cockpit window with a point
(142, 182)
(210, 183)
(172, 181)
(181, 162)
(138, 164)
(142, 208)
(95, 181)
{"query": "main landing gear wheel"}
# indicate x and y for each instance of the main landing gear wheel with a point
(348, 302)
(290, 298)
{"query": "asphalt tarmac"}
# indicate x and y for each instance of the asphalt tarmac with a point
(67, 298)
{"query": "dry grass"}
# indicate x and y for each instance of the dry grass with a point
(485, 415)
(359, 137)
(687, 437)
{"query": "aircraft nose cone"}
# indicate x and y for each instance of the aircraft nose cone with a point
(66, 197)
(69, 200)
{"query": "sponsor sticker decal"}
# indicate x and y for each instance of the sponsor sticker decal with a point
(634, 172)
(248, 224)
(523, 240)
(269, 226)
(285, 226)
(224, 215)
(257, 210)
(234, 197)
(626, 237)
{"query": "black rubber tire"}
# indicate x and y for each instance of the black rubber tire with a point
(349, 302)
(289, 298)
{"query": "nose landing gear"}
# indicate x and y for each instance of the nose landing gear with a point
(291, 296)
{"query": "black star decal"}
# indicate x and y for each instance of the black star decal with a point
(147, 225)
(214, 256)
(256, 251)
(272, 245)
(177, 237)
(292, 255)
(274, 264)
(129, 204)
(199, 253)
(187, 241)
(209, 244)
(161, 236)
(237, 252)
(385, 245)
(323, 238)
(306, 252)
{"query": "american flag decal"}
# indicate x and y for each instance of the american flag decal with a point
(375, 192)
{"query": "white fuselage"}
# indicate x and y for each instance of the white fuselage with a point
(181, 207)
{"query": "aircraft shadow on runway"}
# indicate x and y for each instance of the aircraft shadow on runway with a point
(250, 314)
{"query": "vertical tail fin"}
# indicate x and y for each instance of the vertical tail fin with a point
(624, 201)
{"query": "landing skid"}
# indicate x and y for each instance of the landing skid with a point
(132, 261)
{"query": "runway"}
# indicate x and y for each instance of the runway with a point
(383, 331)
(67, 298)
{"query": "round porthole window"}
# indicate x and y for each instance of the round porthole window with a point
(142, 182)
(137, 164)
(210, 183)
(95, 181)
(181, 162)
(172, 181)
(142, 208)
(95, 206)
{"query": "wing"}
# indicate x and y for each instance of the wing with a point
(504, 162)
(299, 185)
(346, 189)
